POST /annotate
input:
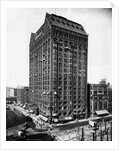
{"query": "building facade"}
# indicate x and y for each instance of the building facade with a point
(110, 99)
(7, 92)
(26, 94)
(99, 97)
(22, 95)
(11, 92)
(58, 68)
(15, 92)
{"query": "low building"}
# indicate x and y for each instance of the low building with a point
(7, 92)
(22, 95)
(26, 94)
(110, 99)
(98, 97)
(15, 92)
(88, 100)
(11, 92)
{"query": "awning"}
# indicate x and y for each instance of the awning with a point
(102, 112)
(54, 114)
(66, 118)
(62, 119)
(55, 120)
(69, 118)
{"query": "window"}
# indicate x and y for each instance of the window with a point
(95, 97)
(63, 22)
(105, 92)
(95, 92)
(77, 27)
(55, 41)
(53, 19)
(65, 107)
(60, 34)
(65, 113)
(60, 42)
(60, 59)
(68, 24)
(81, 29)
(60, 49)
(58, 21)
(72, 25)
(100, 92)
(65, 44)
(59, 114)
(100, 97)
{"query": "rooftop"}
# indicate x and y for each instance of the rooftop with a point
(62, 22)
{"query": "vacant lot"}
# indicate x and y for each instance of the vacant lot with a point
(14, 118)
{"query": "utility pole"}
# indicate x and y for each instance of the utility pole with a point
(105, 126)
(93, 136)
(101, 135)
(111, 132)
(107, 134)
(82, 137)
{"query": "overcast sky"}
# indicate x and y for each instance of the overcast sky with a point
(21, 22)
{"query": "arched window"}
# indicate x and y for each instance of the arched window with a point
(75, 45)
(55, 40)
(60, 41)
(65, 43)
(70, 44)
(48, 42)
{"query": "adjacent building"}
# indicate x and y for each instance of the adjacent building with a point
(98, 97)
(58, 54)
(22, 95)
(15, 92)
(26, 94)
(9, 92)
(110, 98)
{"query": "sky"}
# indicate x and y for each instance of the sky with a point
(20, 22)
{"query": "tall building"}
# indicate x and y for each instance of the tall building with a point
(58, 68)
